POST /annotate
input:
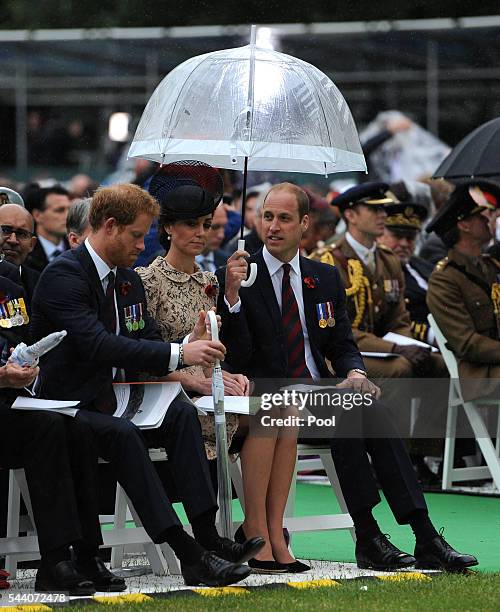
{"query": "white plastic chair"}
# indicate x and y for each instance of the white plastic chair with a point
(490, 451)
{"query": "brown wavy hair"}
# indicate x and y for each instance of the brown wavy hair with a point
(122, 202)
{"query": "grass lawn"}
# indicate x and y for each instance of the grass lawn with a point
(443, 592)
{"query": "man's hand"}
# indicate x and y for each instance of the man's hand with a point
(236, 271)
(203, 352)
(14, 375)
(360, 384)
(416, 355)
(201, 329)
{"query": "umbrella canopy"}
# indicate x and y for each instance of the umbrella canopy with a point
(477, 155)
(279, 112)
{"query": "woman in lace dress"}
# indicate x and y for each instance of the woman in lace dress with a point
(177, 291)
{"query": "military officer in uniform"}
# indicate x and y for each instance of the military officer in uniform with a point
(464, 289)
(374, 282)
(402, 226)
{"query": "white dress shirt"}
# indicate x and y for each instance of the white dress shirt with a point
(366, 255)
(275, 268)
(103, 270)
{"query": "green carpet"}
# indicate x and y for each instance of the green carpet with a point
(472, 524)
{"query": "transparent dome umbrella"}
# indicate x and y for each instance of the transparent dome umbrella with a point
(250, 108)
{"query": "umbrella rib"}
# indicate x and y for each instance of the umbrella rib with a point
(167, 136)
(311, 84)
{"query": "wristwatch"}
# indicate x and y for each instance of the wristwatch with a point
(359, 371)
(180, 362)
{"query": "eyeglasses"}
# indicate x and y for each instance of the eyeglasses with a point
(21, 234)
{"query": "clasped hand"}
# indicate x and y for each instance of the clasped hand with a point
(360, 384)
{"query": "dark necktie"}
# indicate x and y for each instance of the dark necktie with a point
(55, 254)
(297, 367)
(109, 309)
(106, 400)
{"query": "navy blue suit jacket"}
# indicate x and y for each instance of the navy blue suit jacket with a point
(70, 296)
(255, 340)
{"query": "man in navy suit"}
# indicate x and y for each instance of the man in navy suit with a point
(264, 338)
(101, 304)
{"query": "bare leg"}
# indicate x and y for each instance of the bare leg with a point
(256, 462)
(285, 455)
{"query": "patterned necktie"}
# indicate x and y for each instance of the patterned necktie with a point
(105, 402)
(292, 326)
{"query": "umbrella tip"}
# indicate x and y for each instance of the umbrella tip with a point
(253, 34)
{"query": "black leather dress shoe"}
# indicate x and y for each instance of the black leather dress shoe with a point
(379, 554)
(237, 552)
(438, 554)
(103, 579)
(213, 571)
(63, 578)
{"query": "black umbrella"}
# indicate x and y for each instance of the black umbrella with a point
(477, 155)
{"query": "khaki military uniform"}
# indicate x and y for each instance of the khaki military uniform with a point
(376, 306)
(463, 295)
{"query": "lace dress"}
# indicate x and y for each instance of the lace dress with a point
(174, 300)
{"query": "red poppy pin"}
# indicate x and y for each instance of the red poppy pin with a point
(211, 290)
(3, 298)
(124, 288)
(310, 282)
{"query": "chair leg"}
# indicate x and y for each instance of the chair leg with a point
(483, 439)
(329, 466)
(119, 522)
(13, 509)
(449, 444)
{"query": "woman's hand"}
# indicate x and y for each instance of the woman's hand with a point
(201, 329)
(235, 384)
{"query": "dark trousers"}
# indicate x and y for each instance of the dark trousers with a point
(125, 447)
(60, 462)
(368, 430)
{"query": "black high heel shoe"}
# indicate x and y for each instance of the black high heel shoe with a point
(261, 567)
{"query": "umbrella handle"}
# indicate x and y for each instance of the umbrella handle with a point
(253, 268)
(214, 330)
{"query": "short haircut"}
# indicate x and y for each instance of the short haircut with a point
(122, 202)
(300, 195)
(35, 197)
(78, 216)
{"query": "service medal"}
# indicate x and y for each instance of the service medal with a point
(320, 309)
(331, 318)
(323, 323)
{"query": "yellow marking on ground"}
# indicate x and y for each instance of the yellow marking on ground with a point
(122, 599)
(26, 608)
(218, 591)
(402, 576)
(313, 584)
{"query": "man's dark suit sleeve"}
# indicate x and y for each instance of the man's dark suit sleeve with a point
(63, 297)
(342, 349)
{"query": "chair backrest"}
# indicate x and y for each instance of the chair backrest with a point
(449, 358)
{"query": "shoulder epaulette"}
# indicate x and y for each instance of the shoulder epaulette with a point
(441, 264)
(324, 255)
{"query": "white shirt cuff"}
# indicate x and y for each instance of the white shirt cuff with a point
(235, 308)
(174, 357)
(186, 339)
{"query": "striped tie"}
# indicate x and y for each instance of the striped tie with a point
(297, 367)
